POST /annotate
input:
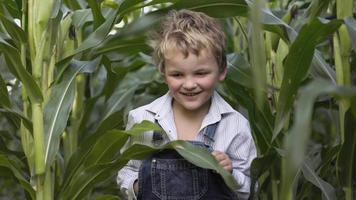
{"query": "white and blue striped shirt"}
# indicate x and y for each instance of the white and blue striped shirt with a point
(233, 136)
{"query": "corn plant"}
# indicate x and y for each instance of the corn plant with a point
(71, 70)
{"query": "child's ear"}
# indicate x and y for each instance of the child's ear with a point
(222, 74)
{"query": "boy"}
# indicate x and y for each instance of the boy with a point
(189, 51)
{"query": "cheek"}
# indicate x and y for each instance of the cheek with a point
(172, 84)
(208, 83)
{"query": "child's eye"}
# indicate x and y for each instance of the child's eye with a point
(176, 75)
(201, 73)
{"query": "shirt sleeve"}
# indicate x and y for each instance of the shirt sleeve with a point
(242, 151)
(129, 173)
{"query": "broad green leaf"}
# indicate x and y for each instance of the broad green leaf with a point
(274, 24)
(120, 45)
(259, 166)
(97, 36)
(141, 25)
(94, 39)
(56, 112)
(118, 100)
(296, 141)
(6, 162)
(130, 5)
(73, 4)
(99, 149)
(95, 9)
(214, 8)
(4, 100)
(87, 179)
(142, 127)
(347, 161)
(107, 197)
(297, 64)
(257, 53)
(11, 7)
(16, 116)
(16, 33)
(80, 17)
(239, 70)
(106, 148)
(203, 158)
(12, 57)
(351, 28)
(327, 190)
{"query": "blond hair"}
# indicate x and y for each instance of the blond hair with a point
(189, 32)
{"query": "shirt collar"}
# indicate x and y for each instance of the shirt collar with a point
(163, 105)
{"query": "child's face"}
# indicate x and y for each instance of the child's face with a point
(192, 80)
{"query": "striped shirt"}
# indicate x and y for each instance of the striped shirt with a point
(233, 136)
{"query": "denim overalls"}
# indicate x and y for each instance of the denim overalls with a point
(168, 176)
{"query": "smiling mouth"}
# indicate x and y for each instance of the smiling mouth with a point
(190, 93)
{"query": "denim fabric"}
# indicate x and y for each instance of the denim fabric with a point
(168, 176)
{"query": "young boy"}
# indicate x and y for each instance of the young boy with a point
(189, 51)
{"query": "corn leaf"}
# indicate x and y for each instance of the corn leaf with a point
(297, 64)
(56, 112)
(4, 100)
(296, 141)
(214, 7)
(6, 161)
(351, 28)
(12, 57)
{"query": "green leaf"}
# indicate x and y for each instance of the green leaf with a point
(99, 150)
(296, 141)
(106, 148)
(214, 8)
(16, 33)
(297, 64)
(94, 39)
(80, 17)
(239, 70)
(94, 144)
(95, 8)
(56, 112)
(351, 28)
(141, 25)
(276, 25)
(12, 57)
(11, 7)
(107, 197)
(97, 36)
(142, 127)
(7, 162)
(118, 100)
(16, 116)
(202, 158)
(4, 100)
(347, 161)
(327, 190)
(120, 45)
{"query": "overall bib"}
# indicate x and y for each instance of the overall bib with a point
(168, 176)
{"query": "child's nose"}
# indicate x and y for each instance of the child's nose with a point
(189, 84)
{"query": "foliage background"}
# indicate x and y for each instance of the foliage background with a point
(71, 70)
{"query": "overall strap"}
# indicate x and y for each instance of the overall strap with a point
(157, 137)
(209, 134)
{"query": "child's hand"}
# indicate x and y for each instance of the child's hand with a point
(223, 160)
(135, 187)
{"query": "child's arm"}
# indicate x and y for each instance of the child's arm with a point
(242, 151)
(129, 174)
(127, 177)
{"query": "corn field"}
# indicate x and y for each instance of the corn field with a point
(70, 70)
